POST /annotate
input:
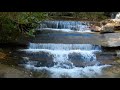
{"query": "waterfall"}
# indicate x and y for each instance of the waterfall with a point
(117, 15)
(61, 59)
(62, 64)
(53, 46)
(65, 26)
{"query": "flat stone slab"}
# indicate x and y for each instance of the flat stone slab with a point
(112, 39)
(12, 72)
(95, 38)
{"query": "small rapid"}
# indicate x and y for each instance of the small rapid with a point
(117, 15)
(58, 60)
(64, 26)
(62, 63)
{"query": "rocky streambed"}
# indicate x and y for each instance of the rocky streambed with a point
(63, 53)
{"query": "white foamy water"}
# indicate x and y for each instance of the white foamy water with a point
(63, 67)
(53, 46)
(117, 15)
(76, 72)
(62, 55)
(66, 30)
(64, 26)
(64, 60)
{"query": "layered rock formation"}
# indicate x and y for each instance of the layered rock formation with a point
(106, 26)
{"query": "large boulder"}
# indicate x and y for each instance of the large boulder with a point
(116, 20)
(112, 39)
(111, 72)
(104, 22)
(107, 29)
(107, 26)
(114, 23)
(95, 28)
(80, 61)
(106, 57)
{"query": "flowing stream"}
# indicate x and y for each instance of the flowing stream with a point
(59, 50)
(117, 15)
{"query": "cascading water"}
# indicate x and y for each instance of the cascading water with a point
(65, 26)
(63, 60)
(63, 66)
(117, 15)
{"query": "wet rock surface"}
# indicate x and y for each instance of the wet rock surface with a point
(107, 29)
(112, 39)
(2, 55)
(106, 26)
(108, 56)
(12, 72)
(111, 72)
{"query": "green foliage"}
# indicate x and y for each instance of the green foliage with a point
(10, 24)
(13, 23)
(81, 15)
(30, 17)
(30, 33)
